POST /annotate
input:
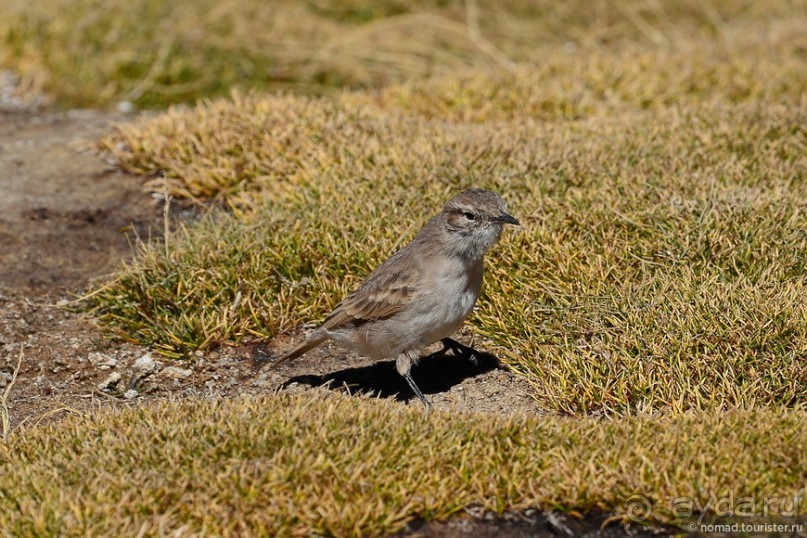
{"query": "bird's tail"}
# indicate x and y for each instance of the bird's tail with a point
(310, 343)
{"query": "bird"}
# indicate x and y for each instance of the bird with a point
(423, 292)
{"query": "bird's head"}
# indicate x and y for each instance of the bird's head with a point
(476, 217)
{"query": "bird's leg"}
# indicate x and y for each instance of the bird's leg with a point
(404, 366)
(417, 392)
(461, 350)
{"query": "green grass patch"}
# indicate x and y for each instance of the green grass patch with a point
(343, 466)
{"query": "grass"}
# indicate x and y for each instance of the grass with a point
(285, 466)
(654, 152)
(661, 265)
(153, 53)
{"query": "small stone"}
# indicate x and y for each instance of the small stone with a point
(129, 394)
(101, 361)
(5, 379)
(108, 364)
(145, 365)
(172, 372)
(109, 382)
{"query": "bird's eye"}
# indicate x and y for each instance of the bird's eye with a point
(468, 215)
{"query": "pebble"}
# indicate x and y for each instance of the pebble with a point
(108, 364)
(145, 365)
(110, 381)
(129, 394)
(102, 361)
(172, 372)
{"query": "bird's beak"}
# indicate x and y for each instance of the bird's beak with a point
(504, 217)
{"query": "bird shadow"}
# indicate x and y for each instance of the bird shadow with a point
(436, 373)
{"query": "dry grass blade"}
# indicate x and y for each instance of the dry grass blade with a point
(5, 416)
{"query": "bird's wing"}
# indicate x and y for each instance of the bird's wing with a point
(384, 293)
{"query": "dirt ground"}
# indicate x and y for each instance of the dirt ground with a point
(67, 217)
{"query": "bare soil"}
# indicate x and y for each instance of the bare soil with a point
(67, 217)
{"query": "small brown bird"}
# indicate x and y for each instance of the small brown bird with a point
(424, 292)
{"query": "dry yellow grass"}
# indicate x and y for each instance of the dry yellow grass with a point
(150, 52)
(342, 466)
(655, 153)
(662, 261)
(661, 265)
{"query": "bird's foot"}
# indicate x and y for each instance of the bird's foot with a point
(461, 350)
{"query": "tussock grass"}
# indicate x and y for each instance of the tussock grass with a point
(149, 52)
(661, 265)
(348, 466)
(764, 67)
(660, 177)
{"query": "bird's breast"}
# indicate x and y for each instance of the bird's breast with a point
(454, 294)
